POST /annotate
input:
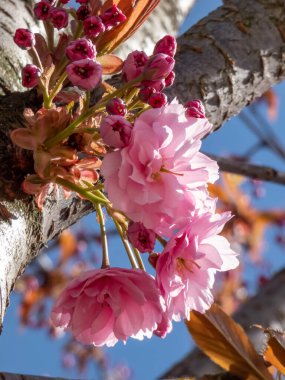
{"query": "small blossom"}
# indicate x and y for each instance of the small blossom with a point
(157, 100)
(86, 170)
(145, 93)
(134, 65)
(116, 106)
(58, 18)
(142, 238)
(83, 12)
(41, 10)
(167, 45)
(113, 17)
(94, 315)
(85, 74)
(24, 38)
(30, 76)
(93, 26)
(195, 108)
(115, 131)
(157, 85)
(170, 79)
(185, 271)
(80, 49)
(158, 67)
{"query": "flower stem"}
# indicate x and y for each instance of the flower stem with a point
(138, 257)
(80, 190)
(161, 240)
(104, 242)
(56, 88)
(36, 58)
(50, 35)
(126, 245)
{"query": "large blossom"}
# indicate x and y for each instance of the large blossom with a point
(105, 305)
(187, 266)
(160, 176)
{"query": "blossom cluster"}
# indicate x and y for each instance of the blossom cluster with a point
(143, 151)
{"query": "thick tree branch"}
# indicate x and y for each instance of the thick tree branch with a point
(263, 173)
(12, 376)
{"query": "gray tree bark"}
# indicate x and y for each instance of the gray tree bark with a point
(228, 59)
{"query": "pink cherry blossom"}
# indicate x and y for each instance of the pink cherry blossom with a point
(195, 108)
(85, 74)
(83, 12)
(163, 180)
(30, 76)
(58, 18)
(103, 306)
(93, 26)
(115, 131)
(158, 67)
(80, 49)
(167, 45)
(24, 38)
(157, 100)
(116, 106)
(134, 65)
(113, 17)
(142, 238)
(186, 268)
(42, 9)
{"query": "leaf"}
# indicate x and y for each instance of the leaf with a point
(68, 245)
(136, 12)
(226, 343)
(111, 64)
(275, 349)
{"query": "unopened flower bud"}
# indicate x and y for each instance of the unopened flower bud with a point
(195, 108)
(80, 49)
(142, 238)
(82, 1)
(116, 106)
(58, 18)
(24, 38)
(83, 12)
(30, 76)
(157, 85)
(116, 131)
(64, 1)
(152, 259)
(113, 17)
(134, 65)
(41, 10)
(93, 26)
(158, 67)
(167, 45)
(157, 100)
(170, 79)
(145, 93)
(85, 74)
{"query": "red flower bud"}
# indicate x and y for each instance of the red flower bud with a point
(80, 49)
(82, 1)
(64, 1)
(195, 108)
(85, 74)
(41, 10)
(157, 100)
(30, 76)
(145, 93)
(116, 106)
(142, 238)
(93, 26)
(24, 38)
(58, 18)
(158, 67)
(170, 79)
(116, 131)
(167, 45)
(134, 65)
(83, 12)
(113, 17)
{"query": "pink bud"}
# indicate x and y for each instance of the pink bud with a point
(113, 17)
(195, 108)
(142, 238)
(158, 67)
(170, 79)
(157, 100)
(167, 45)
(30, 76)
(83, 12)
(93, 26)
(116, 106)
(157, 85)
(134, 65)
(41, 10)
(24, 38)
(80, 49)
(116, 131)
(85, 74)
(64, 1)
(58, 18)
(152, 259)
(145, 93)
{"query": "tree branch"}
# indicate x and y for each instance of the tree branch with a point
(12, 376)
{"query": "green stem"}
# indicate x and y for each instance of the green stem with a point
(126, 245)
(80, 190)
(105, 255)
(68, 131)
(37, 60)
(138, 257)
(87, 101)
(56, 88)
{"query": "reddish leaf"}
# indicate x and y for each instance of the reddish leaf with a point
(111, 64)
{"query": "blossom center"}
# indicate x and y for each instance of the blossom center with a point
(185, 264)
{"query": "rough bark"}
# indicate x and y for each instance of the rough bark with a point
(13, 376)
(266, 308)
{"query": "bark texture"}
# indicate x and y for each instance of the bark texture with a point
(13, 376)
